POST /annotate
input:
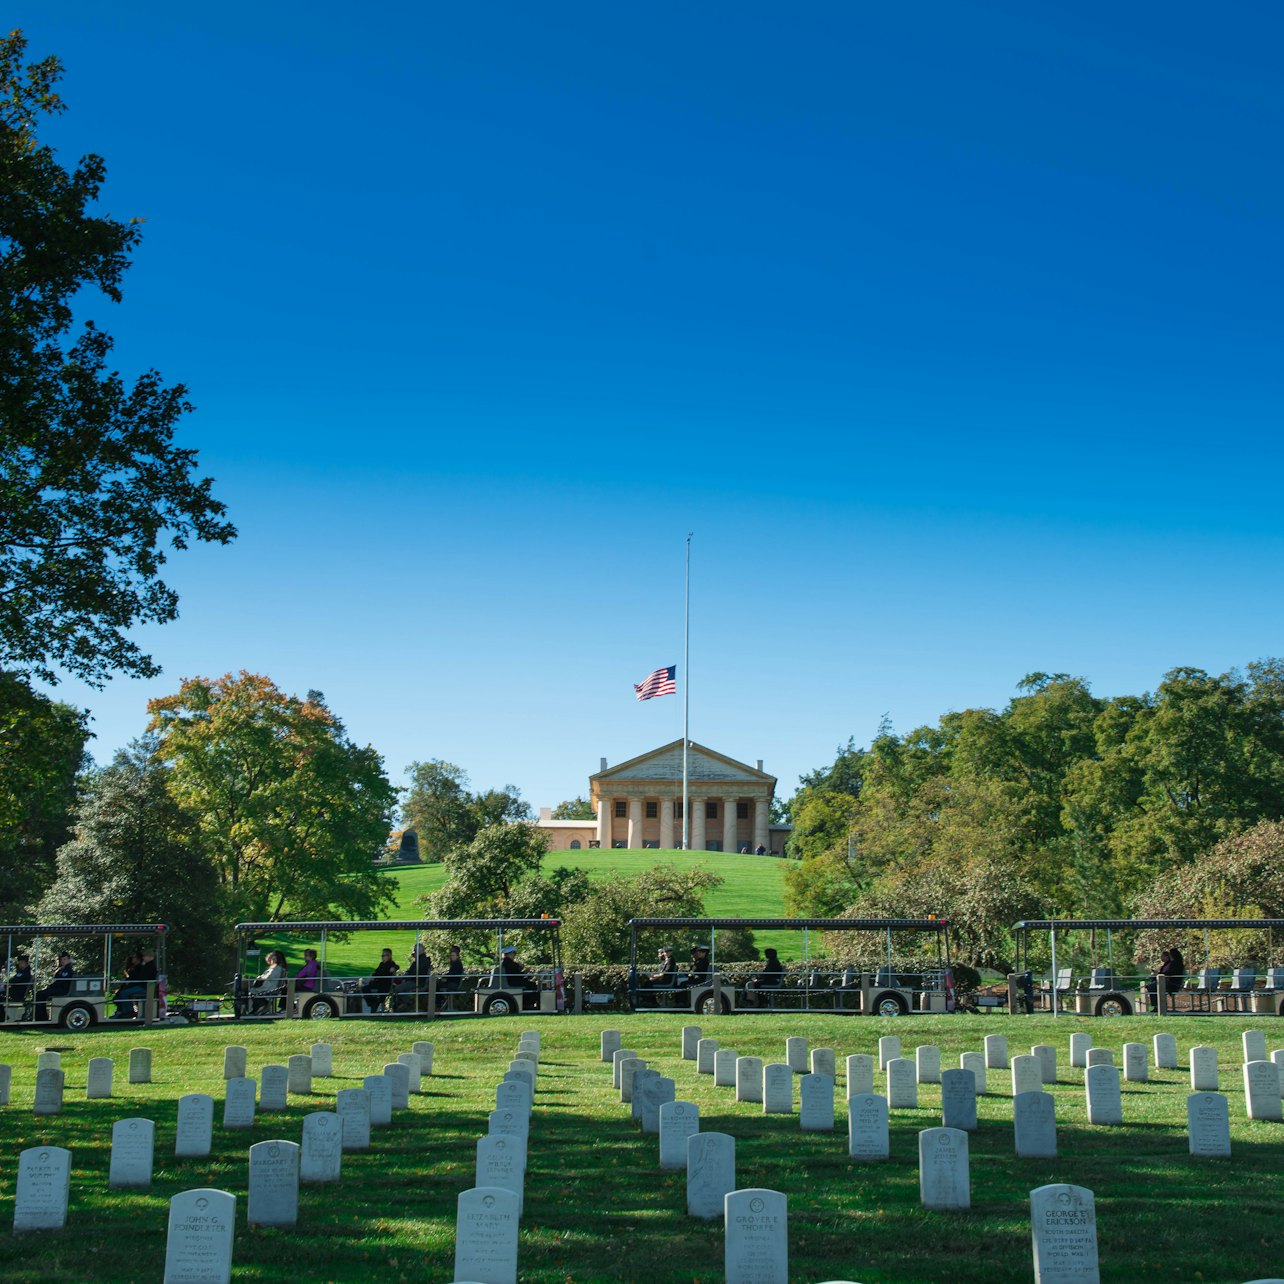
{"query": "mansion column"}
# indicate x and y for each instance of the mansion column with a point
(697, 823)
(635, 822)
(729, 843)
(666, 822)
(605, 810)
(761, 821)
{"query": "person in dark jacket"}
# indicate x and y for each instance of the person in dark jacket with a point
(60, 984)
(412, 989)
(698, 973)
(773, 971)
(665, 979)
(21, 981)
(516, 976)
(452, 982)
(380, 984)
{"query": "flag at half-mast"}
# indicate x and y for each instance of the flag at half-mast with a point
(661, 682)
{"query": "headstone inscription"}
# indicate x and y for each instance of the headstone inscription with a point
(642, 1080)
(234, 1061)
(499, 1163)
(1208, 1124)
(322, 1060)
(1136, 1063)
(610, 1041)
(1100, 1057)
(902, 1084)
(678, 1121)
(1080, 1044)
(273, 1084)
(1203, 1069)
(1034, 1125)
(1047, 1055)
(238, 1103)
(140, 1065)
(274, 1184)
(508, 1123)
(889, 1048)
(628, 1068)
(796, 1054)
(44, 1184)
(379, 1087)
(867, 1131)
(975, 1062)
(777, 1089)
(414, 1078)
(195, 1126)
(1165, 1052)
(724, 1068)
(958, 1100)
(398, 1077)
(1101, 1085)
(1262, 1090)
(996, 1051)
(816, 1103)
(513, 1096)
(49, 1086)
(322, 1157)
(756, 1243)
(425, 1050)
(711, 1173)
(860, 1075)
(299, 1067)
(690, 1039)
(704, 1055)
(132, 1148)
(748, 1078)
(617, 1057)
(6, 1083)
(927, 1063)
(824, 1061)
(1063, 1226)
(198, 1246)
(352, 1105)
(660, 1091)
(1253, 1043)
(486, 1222)
(943, 1180)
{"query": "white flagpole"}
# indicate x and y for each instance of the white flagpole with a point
(686, 700)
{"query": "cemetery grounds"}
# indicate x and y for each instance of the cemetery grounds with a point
(597, 1206)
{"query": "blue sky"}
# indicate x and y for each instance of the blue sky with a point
(952, 331)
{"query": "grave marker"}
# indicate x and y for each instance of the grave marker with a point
(132, 1149)
(756, 1246)
(1080, 1045)
(660, 1091)
(425, 1050)
(1034, 1125)
(195, 1126)
(273, 1082)
(642, 1080)
(902, 1084)
(1203, 1069)
(499, 1163)
(777, 1089)
(398, 1076)
(678, 1121)
(610, 1041)
(705, 1050)
(508, 1123)
(619, 1055)
(711, 1173)
(1165, 1052)
(1262, 1090)
(860, 1075)
(44, 1184)
(414, 1076)
(628, 1068)
(889, 1048)
(749, 1079)
(513, 1096)
(796, 1055)
(1100, 1057)
(140, 1065)
(238, 1103)
(824, 1061)
(816, 1103)
(927, 1063)
(299, 1067)
(690, 1039)
(1047, 1055)
(1254, 1044)
(1101, 1085)
(996, 1051)
(958, 1100)
(1063, 1226)
(6, 1083)
(943, 1180)
(724, 1068)
(975, 1062)
(380, 1089)
(274, 1184)
(867, 1131)
(322, 1061)
(198, 1246)
(352, 1105)
(49, 1086)
(1136, 1065)
(1208, 1124)
(234, 1061)
(322, 1157)
(48, 1061)
(486, 1222)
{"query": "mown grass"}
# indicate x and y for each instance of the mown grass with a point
(597, 1206)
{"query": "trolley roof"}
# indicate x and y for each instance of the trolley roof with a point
(825, 924)
(397, 925)
(85, 929)
(1066, 924)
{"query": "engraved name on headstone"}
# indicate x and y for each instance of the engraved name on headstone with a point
(777, 1089)
(195, 1125)
(1101, 1086)
(274, 1184)
(501, 1163)
(996, 1051)
(238, 1103)
(44, 1184)
(927, 1063)
(352, 1105)
(678, 1121)
(943, 1180)
(132, 1148)
(486, 1222)
(748, 1078)
(756, 1239)
(1034, 1125)
(902, 1084)
(1063, 1224)
(816, 1103)
(198, 1246)
(1208, 1124)
(867, 1131)
(322, 1156)
(513, 1096)
(1262, 1090)
(958, 1100)
(711, 1173)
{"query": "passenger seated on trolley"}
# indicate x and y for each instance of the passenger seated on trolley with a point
(132, 989)
(698, 974)
(379, 986)
(58, 987)
(769, 978)
(305, 979)
(516, 977)
(452, 982)
(412, 987)
(269, 984)
(665, 979)
(20, 984)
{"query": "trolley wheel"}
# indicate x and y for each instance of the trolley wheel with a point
(890, 1004)
(704, 1003)
(1113, 1005)
(77, 1017)
(321, 1009)
(498, 1005)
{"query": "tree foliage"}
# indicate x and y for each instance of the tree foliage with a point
(447, 816)
(291, 811)
(92, 487)
(576, 808)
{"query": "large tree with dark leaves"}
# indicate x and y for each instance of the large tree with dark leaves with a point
(93, 489)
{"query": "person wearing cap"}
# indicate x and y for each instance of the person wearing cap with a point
(665, 979)
(515, 975)
(698, 973)
(379, 986)
(61, 982)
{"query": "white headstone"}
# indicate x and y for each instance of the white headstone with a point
(274, 1184)
(611, 1041)
(44, 1184)
(889, 1048)
(1136, 1063)
(660, 1091)
(352, 1105)
(1101, 1057)
(322, 1156)
(198, 1247)
(1262, 1090)
(528, 1054)
(425, 1050)
(273, 1081)
(1203, 1069)
(867, 1131)
(379, 1088)
(824, 1061)
(48, 1061)
(508, 1123)
(1063, 1225)
(49, 1086)
(705, 1050)
(238, 1103)
(996, 1051)
(1026, 1075)
(132, 1145)
(860, 1075)
(300, 1072)
(943, 1180)
(1253, 1043)
(140, 1065)
(1047, 1055)
(748, 1078)
(532, 1036)
(6, 1083)
(796, 1054)
(234, 1061)
(1277, 1056)
(486, 1222)
(975, 1062)
(958, 1100)
(1080, 1044)
(711, 1173)
(816, 1103)
(777, 1089)
(618, 1056)
(902, 1084)
(500, 1163)
(1208, 1124)
(690, 1040)
(678, 1121)
(628, 1068)
(1034, 1125)
(1101, 1086)
(415, 1080)
(642, 1080)
(724, 1068)
(322, 1060)
(195, 1126)
(756, 1246)
(927, 1063)
(513, 1096)
(398, 1077)
(1165, 1052)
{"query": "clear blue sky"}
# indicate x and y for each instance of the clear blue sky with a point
(952, 330)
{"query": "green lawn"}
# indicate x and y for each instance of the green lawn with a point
(597, 1206)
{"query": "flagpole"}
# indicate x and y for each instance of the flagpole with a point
(686, 700)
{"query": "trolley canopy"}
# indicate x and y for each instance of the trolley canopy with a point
(397, 925)
(1143, 924)
(85, 929)
(820, 924)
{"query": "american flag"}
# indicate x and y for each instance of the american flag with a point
(661, 682)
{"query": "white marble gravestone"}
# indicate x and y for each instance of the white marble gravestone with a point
(1203, 1069)
(1080, 1045)
(927, 1063)
(513, 1096)
(824, 1061)
(352, 1105)
(140, 1065)
(1136, 1063)
(1100, 1057)
(322, 1156)
(711, 1173)
(724, 1068)
(274, 1184)
(1253, 1043)
(705, 1050)
(1026, 1075)
(756, 1241)
(379, 1089)
(238, 1103)
(678, 1121)
(619, 1056)
(796, 1054)
(660, 1091)
(1277, 1056)
(6, 1083)
(415, 1079)
(49, 1087)
(628, 1068)
(398, 1076)
(44, 1184)
(1208, 1124)
(1165, 1052)
(1063, 1226)
(816, 1103)
(996, 1051)
(425, 1050)
(610, 1041)
(748, 1078)
(48, 1061)
(198, 1246)
(860, 1075)
(777, 1089)
(322, 1060)
(1034, 1125)
(943, 1180)
(1047, 1055)
(508, 1123)
(486, 1223)
(500, 1162)
(530, 1055)
(640, 1084)
(234, 1061)
(273, 1082)
(299, 1067)
(195, 1126)
(1101, 1086)
(958, 1100)
(132, 1149)
(889, 1048)
(975, 1062)
(1262, 1090)
(867, 1131)
(690, 1039)
(902, 1084)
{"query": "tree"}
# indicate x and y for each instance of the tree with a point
(436, 807)
(292, 812)
(138, 857)
(576, 808)
(484, 876)
(92, 487)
